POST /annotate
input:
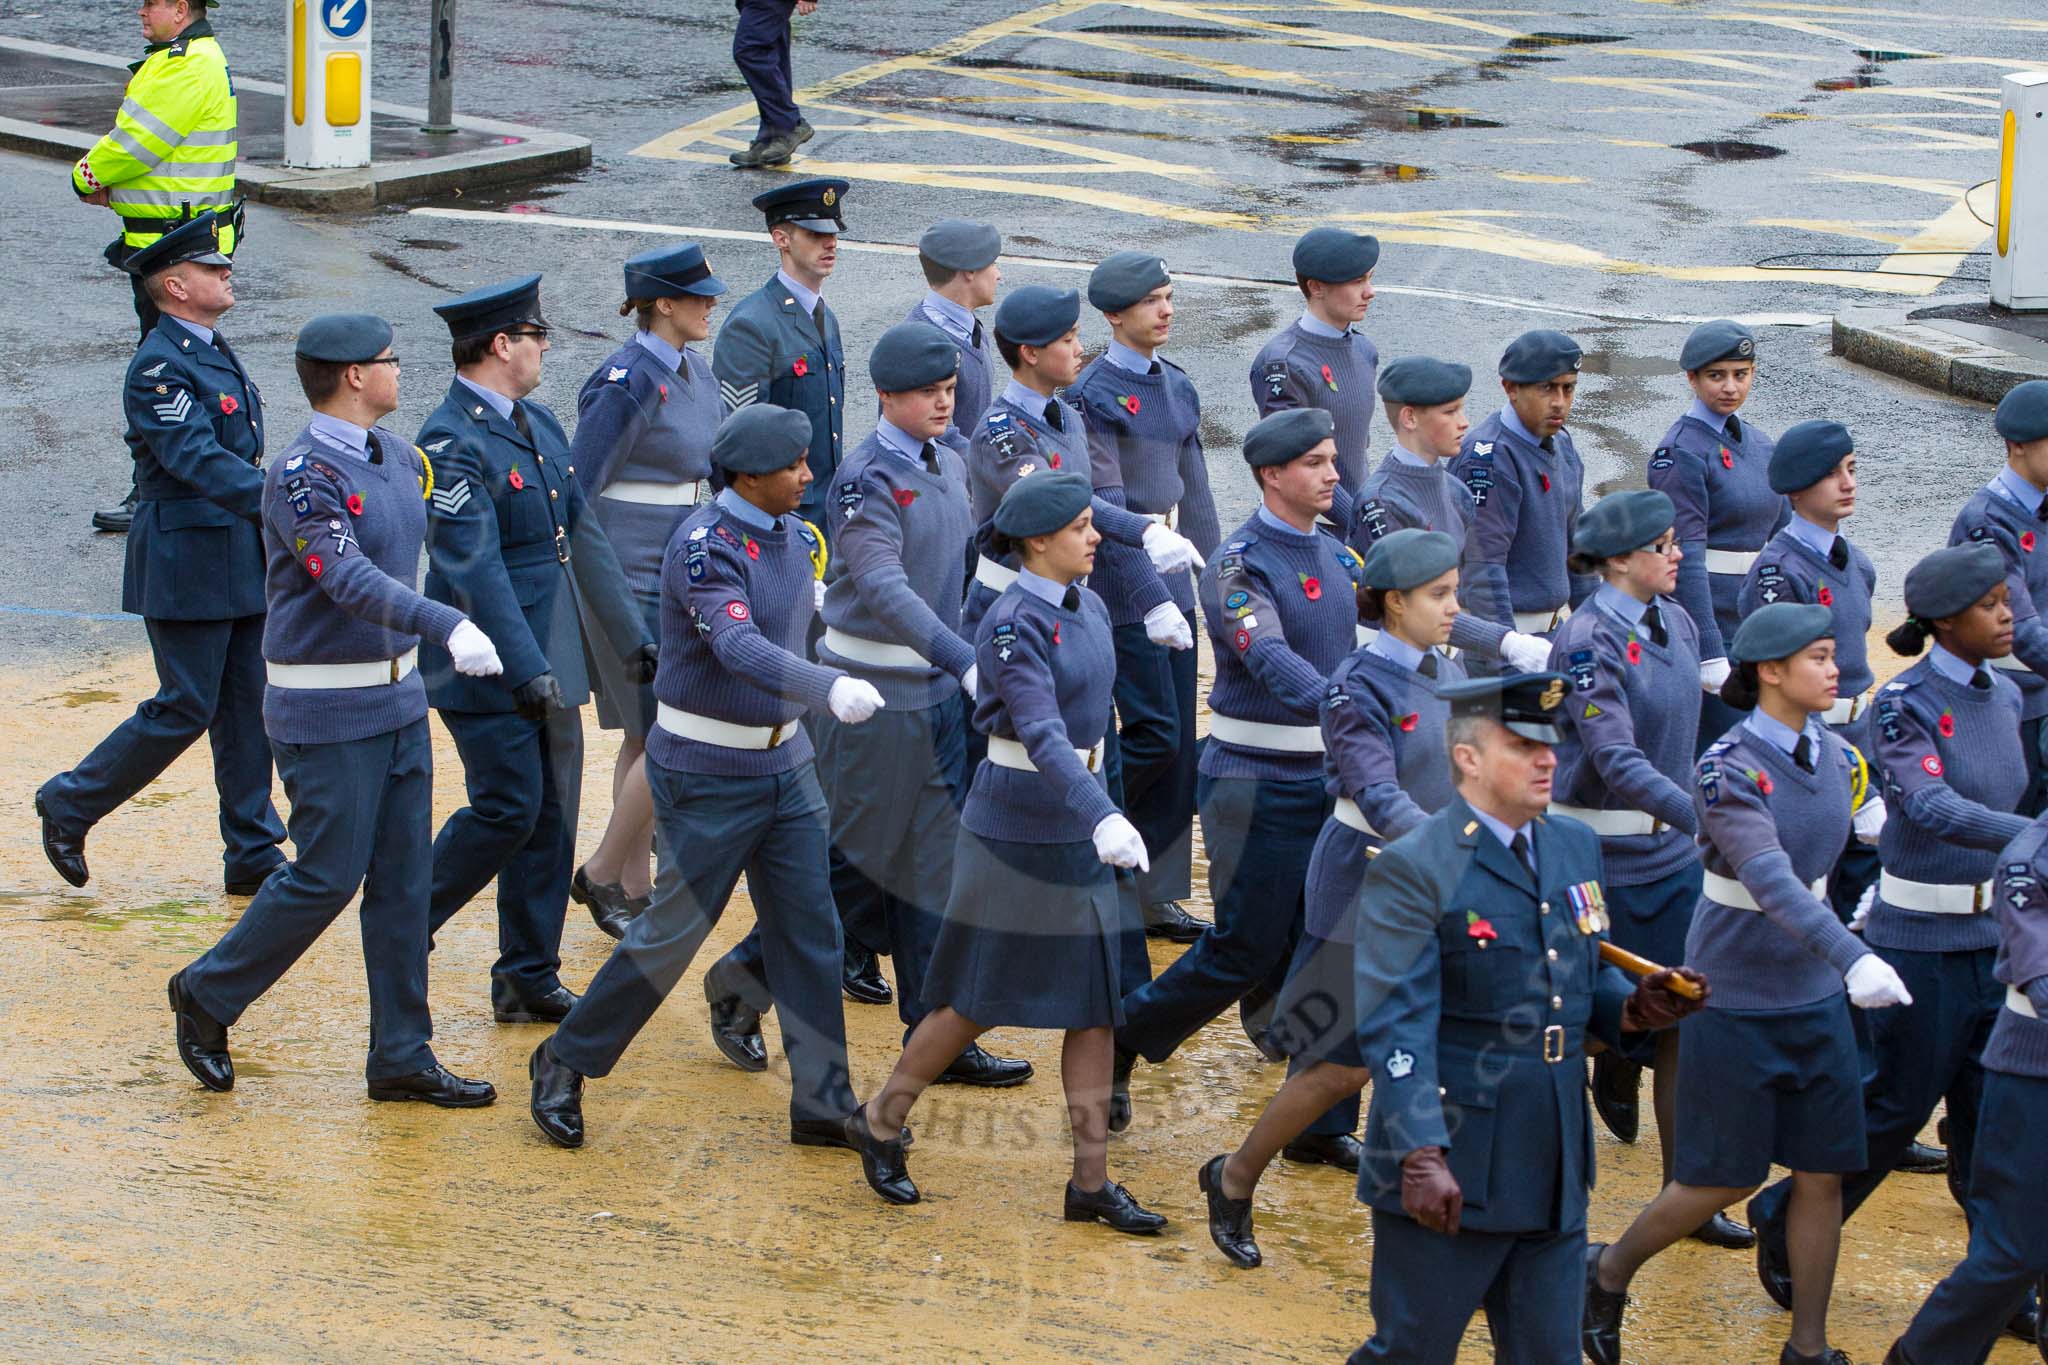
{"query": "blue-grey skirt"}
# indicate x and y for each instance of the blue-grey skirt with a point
(1757, 1087)
(1030, 937)
(621, 703)
(1315, 1018)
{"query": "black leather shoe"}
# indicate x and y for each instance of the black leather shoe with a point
(1230, 1220)
(249, 886)
(557, 1102)
(117, 518)
(1120, 1090)
(606, 902)
(1723, 1231)
(202, 1040)
(1831, 1356)
(735, 1026)
(881, 1162)
(1325, 1149)
(1773, 1269)
(1600, 1333)
(829, 1133)
(436, 1085)
(1256, 1018)
(1167, 920)
(1920, 1159)
(66, 852)
(860, 977)
(990, 1072)
(2026, 1325)
(1616, 1082)
(552, 1008)
(1112, 1204)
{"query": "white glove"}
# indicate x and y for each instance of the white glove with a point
(853, 701)
(817, 594)
(1118, 843)
(1872, 983)
(1170, 550)
(1530, 653)
(1714, 672)
(969, 679)
(474, 654)
(1862, 911)
(1165, 625)
(1868, 821)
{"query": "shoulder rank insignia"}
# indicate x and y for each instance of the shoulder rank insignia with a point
(1400, 1064)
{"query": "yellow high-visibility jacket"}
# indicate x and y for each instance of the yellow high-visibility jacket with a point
(173, 143)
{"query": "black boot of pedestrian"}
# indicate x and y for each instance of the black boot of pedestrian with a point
(1113, 1205)
(1325, 1149)
(1616, 1084)
(557, 1100)
(882, 1162)
(749, 156)
(1600, 1334)
(1921, 1159)
(1723, 1231)
(984, 1069)
(607, 903)
(1167, 920)
(117, 518)
(1831, 1356)
(1773, 1267)
(1230, 1220)
(735, 1025)
(202, 1040)
(860, 977)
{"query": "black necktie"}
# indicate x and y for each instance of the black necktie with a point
(1427, 668)
(1653, 622)
(930, 456)
(2041, 512)
(519, 420)
(1981, 680)
(818, 318)
(1802, 752)
(1153, 368)
(1053, 418)
(1547, 445)
(1734, 428)
(1071, 599)
(974, 337)
(1838, 554)
(1519, 846)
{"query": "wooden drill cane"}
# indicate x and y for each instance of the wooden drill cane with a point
(1642, 966)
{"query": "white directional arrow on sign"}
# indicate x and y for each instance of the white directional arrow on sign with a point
(338, 13)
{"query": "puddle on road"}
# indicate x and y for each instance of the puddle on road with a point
(1536, 42)
(429, 244)
(81, 696)
(1374, 170)
(1862, 80)
(1427, 118)
(1732, 149)
(1873, 54)
(91, 914)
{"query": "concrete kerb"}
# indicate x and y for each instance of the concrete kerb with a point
(1885, 338)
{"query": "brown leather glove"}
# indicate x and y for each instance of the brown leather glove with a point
(1655, 1005)
(1429, 1192)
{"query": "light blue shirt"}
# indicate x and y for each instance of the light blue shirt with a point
(660, 350)
(1396, 650)
(1950, 667)
(200, 330)
(1316, 327)
(350, 437)
(2018, 491)
(745, 511)
(898, 442)
(1267, 517)
(1042, 587)
(1706, 416)
(1818, 539)
(1620, 605)
(1403, 455)
(500, 404)
(1513, 423)
(1776, 732)
(949, 315)
(1128, 360)
(1506, 833)
(1025, 398)
(806, 299)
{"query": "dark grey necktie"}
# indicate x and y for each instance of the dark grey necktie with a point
(1981, 680)
(974, 337)
(1734, 427)
(1838, 554)
(519, 420)
(1427, 668)
(1547, 445)
(1526, 855)
(1653, 623)
(1802, 752)
(1053, 417)
(930, 456)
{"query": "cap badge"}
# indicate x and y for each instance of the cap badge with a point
(829, 198)
(1552, 695)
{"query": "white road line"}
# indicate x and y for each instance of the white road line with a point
(555, 220)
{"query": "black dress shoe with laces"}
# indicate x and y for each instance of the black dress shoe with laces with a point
(1120, 1090)
(985, 1069)
(1325, 1149)
(1921, 1159)
(557, 1100)
(1773, 1268)
(828, 1133)
(65, 850)
(860, 977)
(881, 1161)
(606, 901)
(1616, 1084)
(1600, 1332)
(436, 1085)
(1230, 1220)
(735, 1027)
(202, 1040)
(117, 518)
(1831, 1356)
(1723, 1231)
(509, 1007)
(1167, 920)
(1112, 1205)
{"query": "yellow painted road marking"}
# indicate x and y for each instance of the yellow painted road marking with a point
(1672, 88)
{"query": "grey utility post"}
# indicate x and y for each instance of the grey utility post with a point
(441, 69)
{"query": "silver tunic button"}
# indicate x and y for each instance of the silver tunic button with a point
(554, 493)
(1557, 1002)
(1553, 954)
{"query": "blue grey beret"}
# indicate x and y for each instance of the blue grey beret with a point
(1038, 314)
(1121, 280)
(343, 338)
(1950, 580)
(760, 439)
(1720, 339)
(1409, 558)
(1779, 630)
(958, 244)
(1286, 435)
(1534, 357)
(1527, 703)
(1423, 381)
(1039, 504)
(911, 355)
(669, 272)
(2023, 413)
(1333, 255)
(1623, 522)
(1805, 454)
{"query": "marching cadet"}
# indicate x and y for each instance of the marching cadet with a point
(1318, 361)
(344, 515)
(958, 259)
(760, 49)
(1425, 405)
(644, 424)
(1526, 480)
(900, 523)
(1029, 936)
(505, 513)
(194, 569)
(2009, 512)
(1282, 612)
(2008, 1250)
(1715, 468)
(1386, 767)
(1481, 921)
(1944, 733)
(734, 788)
(1144, 426)
(780, 344)
(1769, 1071)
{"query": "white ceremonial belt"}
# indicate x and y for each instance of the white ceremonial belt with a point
(1613, 822)
(1730, 561)
(1349, 815)
(1733, 894)
(992, 575)
(723, 733)
(1934, 898)
(2016, 1001)
(1846, 709)
(2010, 663)
(1170, 518)
(1541, 622)
(872, 651)
(375, 673)
(1258, 734)
(1365, 634)
(686, 494)
(1010, 753)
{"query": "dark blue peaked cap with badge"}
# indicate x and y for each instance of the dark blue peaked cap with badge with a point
(195, 240)
(1780, 630)
(814, 204)
(1534, 357)
(957, 244)
(669, 272)
(1038, 314)
(761, 438)
(1040, 504)
(493, 308)
(1409, 558)
(1287, 435)
(1951, 580)
(343, 338)
(2023, 413)
(1124, 278)
(1721, 339)
(1807, 452)
(1527, 703)
(911, 355)
(1333, 255)
(1623, 521)
(1422, 381)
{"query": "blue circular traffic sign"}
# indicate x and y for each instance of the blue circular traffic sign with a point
(344, 18)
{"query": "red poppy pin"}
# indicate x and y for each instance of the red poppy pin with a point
(355, 504)
(1055, 632)
(1130, 403)
(1947, 725)
(2027, 541)
(517, 480)
(1311, 588)
(1635, 651)
(753, 548)
(801, 368)
(905, 496)
(736, 610)
(1053, 460)
(314, 566)
(1409, 721)
(1244, 640)
(1330, 379)
(1826, 596)
(1763, 781)
(1545, 478)
(1932, 765)
(228, 404)
(1478, 927)
(664, 391)
(1727, 458)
